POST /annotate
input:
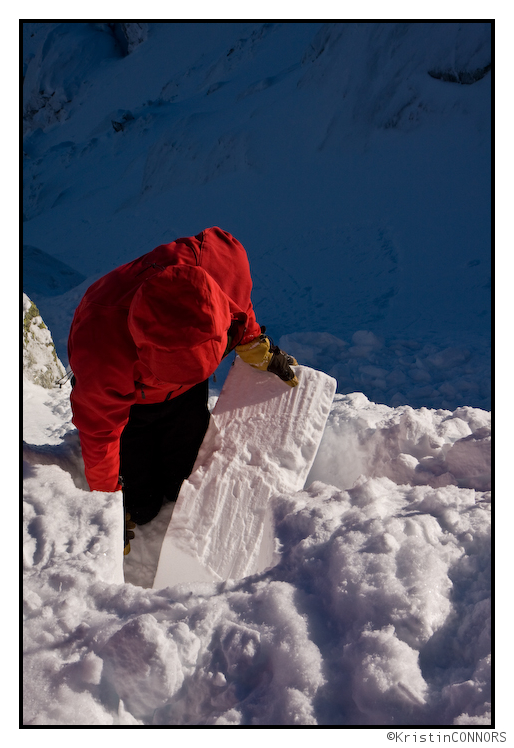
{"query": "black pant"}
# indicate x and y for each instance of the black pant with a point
(158, 448)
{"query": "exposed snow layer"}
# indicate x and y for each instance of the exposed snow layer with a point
(377, 613)
(221, 509)
(419, 447)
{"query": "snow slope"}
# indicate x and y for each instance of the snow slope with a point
(358, 182)
(360, 185)
(377, 611)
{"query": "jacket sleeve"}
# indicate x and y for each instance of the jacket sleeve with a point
(253, 329)
(103, 393)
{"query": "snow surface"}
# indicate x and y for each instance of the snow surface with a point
(360, 186)
(358, 183)
(377, 612)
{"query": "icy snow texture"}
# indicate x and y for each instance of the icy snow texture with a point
(262, 439)
(418, 447)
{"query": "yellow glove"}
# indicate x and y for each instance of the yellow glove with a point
(262, 354)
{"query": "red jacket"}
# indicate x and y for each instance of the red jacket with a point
(150, 330)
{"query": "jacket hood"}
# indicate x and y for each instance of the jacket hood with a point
(178, 320)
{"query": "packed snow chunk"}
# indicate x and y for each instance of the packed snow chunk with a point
(69, 704)
(262, 439)
(142, 664)
(386, 680)
(415, 447)
(88, 669)
(65, 453)
(125, 717)
(69, 531)
(469, 460)
(412, 563)
(40, 362)
(297, 662)
(473, 696)
(379, 564)
(449, 358)
(474, 417)
(251, 658)
(230, 718)
(272, 652)
(388, 567)
(364, 341)
(47, 420)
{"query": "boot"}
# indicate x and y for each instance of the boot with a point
(128, 534)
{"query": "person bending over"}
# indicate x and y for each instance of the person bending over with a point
(143, 343)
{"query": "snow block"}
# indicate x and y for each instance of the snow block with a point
(262, 440)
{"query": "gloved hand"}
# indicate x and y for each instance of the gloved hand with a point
(262, 354)
(129, 533)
